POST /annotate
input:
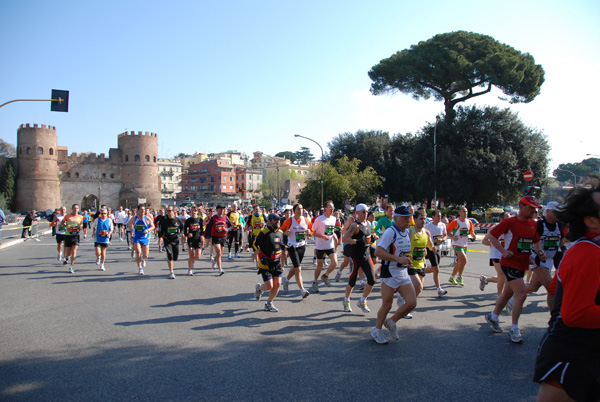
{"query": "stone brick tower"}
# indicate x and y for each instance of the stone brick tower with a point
(139, 169)
(38, 186)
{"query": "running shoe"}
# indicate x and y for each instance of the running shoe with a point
(452, 280)
(172, 275)
(71, 270)
(459, 281)
(509, 305)
(286, 285)
(314, 260)
(482, 282)
(378, 336)
(408, 316)
(65, 261)
(494, 324)
(391, 326)
(143, 263)
(363, 306)
(515, 335)
(237, 255)
(140, 271)
(325, 263)
(399, 300)
(314, 288)
(326, 280)
(304, 293)
(212, 259)
(442, 292)
(190, 273)
(98, 260)
(59, 255)
(338, 276)
(214, 264)
(221, 273)
(229, 256)
(361, 287)
(160, 250)
(257, 291)
(347, 308)
(269, 306)
(102, 268)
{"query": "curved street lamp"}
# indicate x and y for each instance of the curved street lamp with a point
(322, 157)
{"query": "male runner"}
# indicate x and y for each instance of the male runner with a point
(193, 230)
(460, 230)
(170, 230)
(269, 242)
(323, 231)
(438, 235)
(141, 225)
(235, 233)
(297, 229)
(218, 226)
(103, 228)
(72, 223)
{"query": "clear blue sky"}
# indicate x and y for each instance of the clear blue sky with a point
(213, 76)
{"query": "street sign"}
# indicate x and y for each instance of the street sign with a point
(59, 101)
(528, 176)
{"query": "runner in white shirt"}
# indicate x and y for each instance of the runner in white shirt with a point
(121, 220)
(438, 236)
(325, 241)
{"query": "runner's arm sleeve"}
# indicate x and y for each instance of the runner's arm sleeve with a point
(286, 224)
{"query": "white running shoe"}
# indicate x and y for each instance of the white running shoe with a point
(378, 336)
(172, 275)
(286, 285)
(347, 308)
(98, 260)
(229, 256)
(214, 264)
(257, 292)
(515, 335)
(190, 272)
(144, 263)
(363, 306)
(304, 294)
(59, 256)
(140, 271)
(102, 268)
(482, 282)
(442, 292)
(391, 326)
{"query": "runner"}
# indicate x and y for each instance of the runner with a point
(218, 226)
(359, 236)
(437, 229)
(170, 230)
(141, 225)
(460, 230)
(346, 248)
(193, 230)
(520, 233)
(103, 228)
(568, 360)
(256, 222)
(269, 242)
(287, 213)
(495, 256)
(235, 233)
(297, 229)
(420, 241)
(183, 215)
(394, 249)
(86, 222)
(128, 231)
(157, 220)
(72, 223)
(323, 228)
(121, 220)
(59, 230)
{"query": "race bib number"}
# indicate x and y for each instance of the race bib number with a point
(524, 245)
(194, 227)
(172, 230)
(329, 230)
(300, 236)
(139, 228)
(257, 225)
(276, 256)
(408, 255)
(103, 233)
(464, 232)
(551, 243)
(418, 253)
(220, 227)
(436, 238)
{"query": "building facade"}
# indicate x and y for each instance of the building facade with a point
(170, 173)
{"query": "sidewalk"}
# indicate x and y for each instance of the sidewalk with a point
(11, 234)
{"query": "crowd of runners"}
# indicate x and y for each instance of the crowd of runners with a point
(392, 251)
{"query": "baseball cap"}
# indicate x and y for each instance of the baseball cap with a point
(529, 200)
(402, 210)
(220, 206)
(361, 207)
(552, 206)
(273, 216)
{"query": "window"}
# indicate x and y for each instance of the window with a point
(193, 179)
(204, 171)
(212, 179)
(104, 175)
(249, 186)
(194, 171)
(51, 151)
(112, 175)
(68, 174)
(126, 158)
(230, 178)
(216, 169)
(77, 175)
(40, 151)
(154, 159)
(203, 180)
(231, 187)
(137, 158)
(28, 150)
(147, 158)
(249, 177)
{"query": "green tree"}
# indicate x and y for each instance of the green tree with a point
(7, 150)
(304, 155)
(581, 169)
(287, 154)
(273, 183)
(8, 183)
(456, 66)
(481, 158)
(342, 181)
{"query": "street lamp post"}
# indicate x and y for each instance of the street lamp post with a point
(435, 165)
(322, 162)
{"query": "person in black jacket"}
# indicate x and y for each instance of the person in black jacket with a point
(170, 230)
(269, 244)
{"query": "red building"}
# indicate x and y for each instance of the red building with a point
(209, 177)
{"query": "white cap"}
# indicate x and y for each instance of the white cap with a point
(361, 207)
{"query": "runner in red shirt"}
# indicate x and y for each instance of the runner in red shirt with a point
(521, 239)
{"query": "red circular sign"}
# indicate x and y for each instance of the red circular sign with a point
(528, 176)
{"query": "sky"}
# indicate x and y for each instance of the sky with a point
(238, 75)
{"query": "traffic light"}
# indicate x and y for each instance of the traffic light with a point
(60, 101)
(531, 190)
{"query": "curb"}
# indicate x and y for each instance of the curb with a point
(14, 242)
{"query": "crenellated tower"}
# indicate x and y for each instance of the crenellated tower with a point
(38, 185)
(139, 169)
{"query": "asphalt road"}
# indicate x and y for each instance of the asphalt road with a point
(113, 335)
